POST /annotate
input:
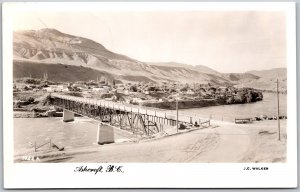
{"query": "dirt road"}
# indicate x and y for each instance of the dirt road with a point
(221, 144)
(232, 146)
(226, 143)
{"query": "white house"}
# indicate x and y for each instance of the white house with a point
(97, 89)
(190, 92)
(48, 89)
(137, 100)
(120, 89)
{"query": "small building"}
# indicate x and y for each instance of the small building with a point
(137, 100)
(65, 89)
(120, 90)
(97, 89)
(190, 92)
(48, 89)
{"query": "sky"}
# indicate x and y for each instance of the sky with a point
(226, 41)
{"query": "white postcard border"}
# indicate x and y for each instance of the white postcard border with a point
(149, 175)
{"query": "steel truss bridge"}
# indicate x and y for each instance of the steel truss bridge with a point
(138, 120)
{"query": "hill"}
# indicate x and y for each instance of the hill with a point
(71, 58)
(49, 46)
(199, 68)
(279, 73)
(267, 79)
(59, 73)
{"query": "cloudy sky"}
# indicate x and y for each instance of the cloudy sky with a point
(227, 41)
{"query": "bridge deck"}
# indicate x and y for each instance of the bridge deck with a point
(131, 108)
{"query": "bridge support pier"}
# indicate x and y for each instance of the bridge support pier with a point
(68, 116)
(105, 134)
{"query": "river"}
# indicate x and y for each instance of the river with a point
(82, 132)
(268, 106)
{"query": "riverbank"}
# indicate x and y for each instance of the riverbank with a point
(200, 103)
(222, 142)
(171, 105)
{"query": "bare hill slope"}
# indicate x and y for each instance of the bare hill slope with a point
(49, 50)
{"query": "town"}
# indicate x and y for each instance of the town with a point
(149, 94)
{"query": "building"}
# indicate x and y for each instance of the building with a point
(48, 89)
(190, 92)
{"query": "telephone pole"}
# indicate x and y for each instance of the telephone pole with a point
(177, 114)
(278, 111)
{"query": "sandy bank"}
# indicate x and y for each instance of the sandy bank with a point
(227, 142)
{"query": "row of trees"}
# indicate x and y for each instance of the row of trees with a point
(245, 96)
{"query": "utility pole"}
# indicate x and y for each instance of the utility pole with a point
(177, 114)
(278, 111)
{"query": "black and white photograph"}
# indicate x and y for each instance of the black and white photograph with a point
(98, 86)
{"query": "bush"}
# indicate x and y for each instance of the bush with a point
(30, 99)
(238, 98)
(31, 81)
(133, 88)
(229, 100)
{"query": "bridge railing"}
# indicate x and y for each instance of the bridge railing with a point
(133, 108)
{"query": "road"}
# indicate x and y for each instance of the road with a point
(221, 144)
(225, 143)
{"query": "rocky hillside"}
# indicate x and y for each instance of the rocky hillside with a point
(46, 50)
(267, 79)
(50, 46)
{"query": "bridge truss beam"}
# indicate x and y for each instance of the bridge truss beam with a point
(140, 124)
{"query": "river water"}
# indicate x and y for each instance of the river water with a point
(82, 132)
(268, 106)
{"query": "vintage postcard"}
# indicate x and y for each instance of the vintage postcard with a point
(149, 95)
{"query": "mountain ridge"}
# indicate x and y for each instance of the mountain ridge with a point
(50, 46)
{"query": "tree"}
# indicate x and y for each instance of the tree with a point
(30, 99)
(133, 88)
(184, 89)
(239, 98)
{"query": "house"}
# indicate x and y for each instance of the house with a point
(59, 88)
(128, 100)
(79, 86)
(120, 90)
(65, 89)
(190, 92)
(100, 90)
(137, 100)
(48, 89)
(106, 87)
(97, 89)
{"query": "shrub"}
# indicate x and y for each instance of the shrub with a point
(30, 99)
(133, 88)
